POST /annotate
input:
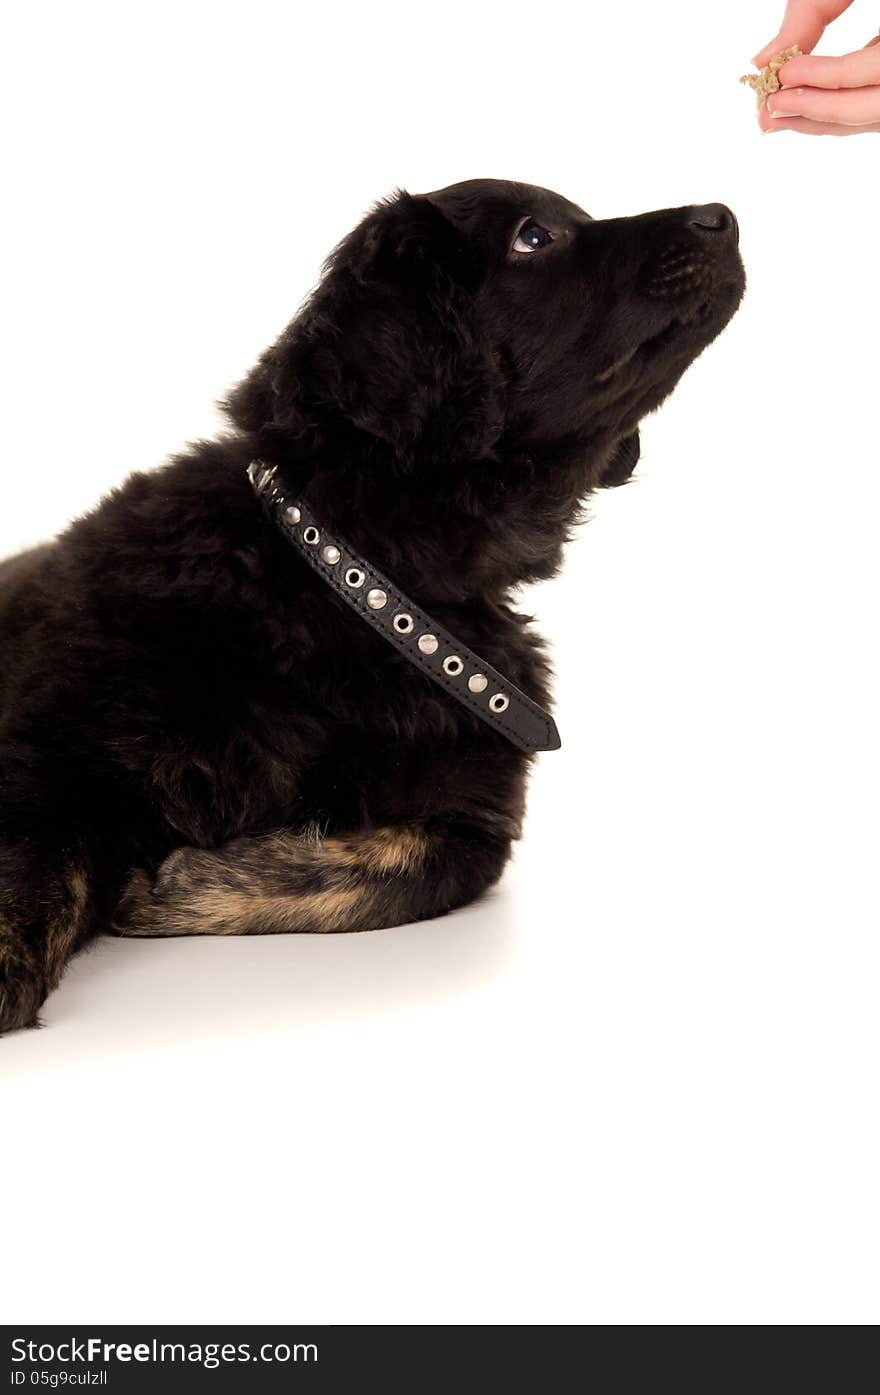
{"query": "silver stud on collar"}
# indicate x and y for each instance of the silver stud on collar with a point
(499, 702)
(311, 536)
(354, 577)
(331, 554)
(429, 644)
(377, 599)
(292, 515)
(478, 682)
(403, 623)
(260, 474)
(452, 665)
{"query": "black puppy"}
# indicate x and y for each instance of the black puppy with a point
(197, 734)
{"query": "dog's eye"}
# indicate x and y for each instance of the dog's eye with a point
(532, 237)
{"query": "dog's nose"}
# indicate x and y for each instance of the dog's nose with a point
(714, 218)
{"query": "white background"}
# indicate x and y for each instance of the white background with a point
(639, 1084)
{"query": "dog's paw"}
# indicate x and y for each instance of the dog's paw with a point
(138, 909)
(22, 985)
(180, 872)
(151, 906)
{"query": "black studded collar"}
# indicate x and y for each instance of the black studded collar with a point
(473, 682)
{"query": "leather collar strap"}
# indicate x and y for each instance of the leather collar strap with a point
(477, 685)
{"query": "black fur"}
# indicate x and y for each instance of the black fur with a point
(175, 678)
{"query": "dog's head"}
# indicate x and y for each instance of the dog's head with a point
(490, 346)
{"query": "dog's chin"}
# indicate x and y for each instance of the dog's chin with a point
(699, 305)
(646, 351)
(690, 330)
(686, 333)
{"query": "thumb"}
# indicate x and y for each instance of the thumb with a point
(805, 31)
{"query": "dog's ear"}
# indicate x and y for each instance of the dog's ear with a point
(387, 345)
(623, 461)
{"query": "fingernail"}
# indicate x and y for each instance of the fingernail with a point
(775, 47)
(779, 107)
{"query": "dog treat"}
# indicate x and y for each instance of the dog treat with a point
(767, 80)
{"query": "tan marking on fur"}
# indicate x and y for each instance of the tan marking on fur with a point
(385, 851)
(246, 911)
(394, 851)
(21, 979)
(232, 890)
(64, 927)
(217, 910)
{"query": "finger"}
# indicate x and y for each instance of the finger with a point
(818, 128)
(806, 36)
(803, 24)
(857, 106)
(769, 124)
(803, 30)
(859, 69)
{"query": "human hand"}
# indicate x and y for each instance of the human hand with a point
(821, 96)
